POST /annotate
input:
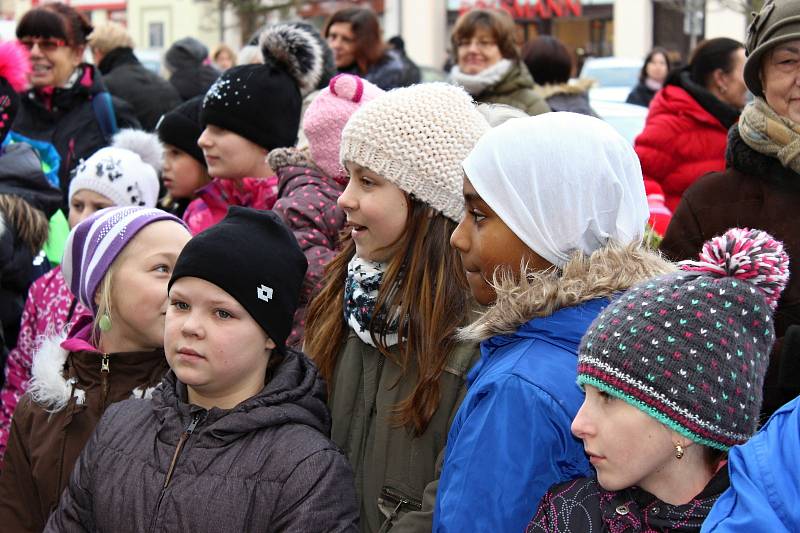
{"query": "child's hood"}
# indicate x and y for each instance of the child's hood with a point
(609, 270)
(295, 395)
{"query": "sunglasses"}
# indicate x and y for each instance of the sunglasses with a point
(48, 44)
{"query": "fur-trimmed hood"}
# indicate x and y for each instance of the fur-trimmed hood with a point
(579, 87)
(607, 271)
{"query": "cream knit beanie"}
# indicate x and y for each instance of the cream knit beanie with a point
(416, 137)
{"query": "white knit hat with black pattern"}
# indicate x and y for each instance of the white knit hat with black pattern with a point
(416, 137)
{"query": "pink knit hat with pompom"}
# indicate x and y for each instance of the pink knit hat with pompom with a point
(328, 113)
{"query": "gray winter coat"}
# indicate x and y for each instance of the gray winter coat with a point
(165, 465)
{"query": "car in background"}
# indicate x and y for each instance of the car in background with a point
(627, 119)
(614, 77)
(151, 59)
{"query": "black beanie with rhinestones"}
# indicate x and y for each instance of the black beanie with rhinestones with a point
(259, 102)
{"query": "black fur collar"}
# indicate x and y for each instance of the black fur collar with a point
(746, 160)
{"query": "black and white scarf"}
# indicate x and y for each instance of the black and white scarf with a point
(360, 295)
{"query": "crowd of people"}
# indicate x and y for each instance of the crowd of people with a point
(294, 288)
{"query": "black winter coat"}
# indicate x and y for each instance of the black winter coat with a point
(165, 465)
(582, 505)
(149, 94)
(641, 95)
(66, 119)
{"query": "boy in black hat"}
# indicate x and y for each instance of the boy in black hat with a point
(239, 424)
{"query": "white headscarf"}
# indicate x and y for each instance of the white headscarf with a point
(561, 182)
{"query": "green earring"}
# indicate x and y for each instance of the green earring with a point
(105, 322)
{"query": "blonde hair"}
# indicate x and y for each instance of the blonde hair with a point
(108, 36)
(104, 303)
(30, 224)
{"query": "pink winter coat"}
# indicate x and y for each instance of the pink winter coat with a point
(213, 200)
(48, 310)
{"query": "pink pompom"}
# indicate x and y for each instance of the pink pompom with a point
(347, 86)
(749, 255)
(15, 65)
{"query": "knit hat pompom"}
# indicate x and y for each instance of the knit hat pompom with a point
(14, 69)
(14, 65)
(143, 143)
(327, 115)
(294, 49)
(348, 87)
(750, 255)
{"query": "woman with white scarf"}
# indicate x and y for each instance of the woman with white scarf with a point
(488, 64)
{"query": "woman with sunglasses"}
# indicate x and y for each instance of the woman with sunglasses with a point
(59, 106)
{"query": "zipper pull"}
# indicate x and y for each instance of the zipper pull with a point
(193, 424)
(104, 366)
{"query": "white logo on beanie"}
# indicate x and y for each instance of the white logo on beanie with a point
(264, 293)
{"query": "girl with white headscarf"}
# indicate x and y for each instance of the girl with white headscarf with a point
(554, 219)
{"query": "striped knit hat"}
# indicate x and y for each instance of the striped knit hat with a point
(691, 349)
(94, 244)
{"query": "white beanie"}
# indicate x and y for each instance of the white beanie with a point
(118, 174)
(416, 137)
(561, 182)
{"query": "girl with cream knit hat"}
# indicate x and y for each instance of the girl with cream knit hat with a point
(555, 214)
(382, 329)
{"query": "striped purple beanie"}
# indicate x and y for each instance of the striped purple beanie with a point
(94, 244)
(691, 349)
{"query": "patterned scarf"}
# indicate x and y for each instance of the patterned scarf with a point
(768, 133)
(360, 295)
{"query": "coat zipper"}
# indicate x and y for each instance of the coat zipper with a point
(178, 449)
(105, 370)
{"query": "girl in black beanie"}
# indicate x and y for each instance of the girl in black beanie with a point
(249, 111)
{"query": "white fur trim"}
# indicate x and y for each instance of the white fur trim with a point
(48, 387)
(144, 393)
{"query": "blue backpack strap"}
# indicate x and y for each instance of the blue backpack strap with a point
(104, 111)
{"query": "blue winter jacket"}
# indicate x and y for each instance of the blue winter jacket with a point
(764, 495)
(511, 439)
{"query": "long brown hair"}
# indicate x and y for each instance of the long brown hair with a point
(425, 287)
(367, 31)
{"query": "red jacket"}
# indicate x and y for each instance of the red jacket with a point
(681, 141)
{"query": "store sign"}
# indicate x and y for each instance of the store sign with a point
(527, 9)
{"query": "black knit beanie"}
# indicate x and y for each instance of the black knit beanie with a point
(181, 128)
(262, 103)
(251, 255)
